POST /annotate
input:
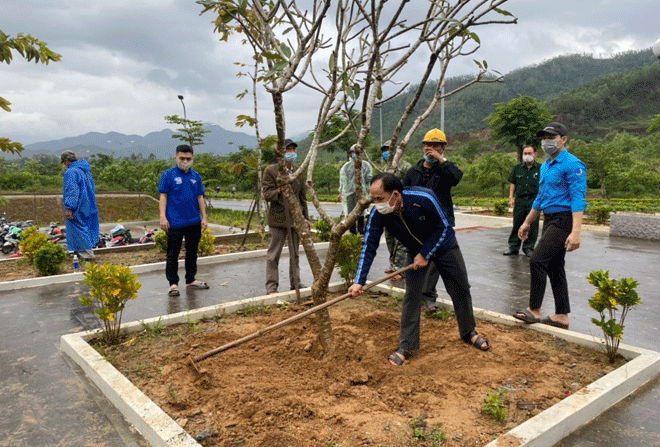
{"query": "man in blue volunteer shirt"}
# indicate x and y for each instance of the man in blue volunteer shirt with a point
(561, 195)
(182, 215)
(414, 216)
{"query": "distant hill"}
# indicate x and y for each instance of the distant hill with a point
(218, 141)
(465, 111)
(622, 101)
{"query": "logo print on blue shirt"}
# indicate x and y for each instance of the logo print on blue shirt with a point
(178, 180)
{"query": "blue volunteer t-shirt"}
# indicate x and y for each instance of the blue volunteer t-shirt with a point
(563, 185)
(183, 190)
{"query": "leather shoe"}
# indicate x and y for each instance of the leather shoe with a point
(528, 253)
(510, 253)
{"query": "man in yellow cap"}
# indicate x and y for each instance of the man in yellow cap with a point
(440, 175)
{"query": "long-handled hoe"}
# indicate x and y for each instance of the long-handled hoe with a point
(271, 328)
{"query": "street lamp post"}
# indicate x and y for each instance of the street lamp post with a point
(184, 107)
(185, 121)
(656, 48)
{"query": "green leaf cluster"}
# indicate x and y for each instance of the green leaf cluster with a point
(31, 241)
(517, 121)
(434, 437)
(31, 49)
(348, 256)
(48, 259)
(612, 294)
(494, 405)
(160, 239)
(601, 213)
(323, 230)
(111, 288)
(501, 207)
(206, 243)
(192, 131)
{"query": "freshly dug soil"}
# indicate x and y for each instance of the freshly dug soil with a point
(282, 390)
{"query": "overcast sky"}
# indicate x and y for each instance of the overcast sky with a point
(124, 61)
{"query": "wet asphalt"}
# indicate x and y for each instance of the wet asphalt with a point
(46, 402)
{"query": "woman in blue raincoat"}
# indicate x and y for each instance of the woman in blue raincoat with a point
(82, 214)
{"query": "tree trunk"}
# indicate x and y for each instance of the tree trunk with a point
(320, 286)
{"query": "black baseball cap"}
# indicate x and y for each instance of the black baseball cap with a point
(553, 128)
(289, 142)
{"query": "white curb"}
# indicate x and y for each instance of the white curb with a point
(545, 429)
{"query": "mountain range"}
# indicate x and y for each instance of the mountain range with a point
(218, 141)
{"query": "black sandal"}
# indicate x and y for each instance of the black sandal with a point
(480, 343)
(398, 357)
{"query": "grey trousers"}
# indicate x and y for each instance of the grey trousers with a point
(278, 237)
(451, 268)
(398, 253)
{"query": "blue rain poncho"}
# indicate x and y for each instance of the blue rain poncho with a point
(79, 191)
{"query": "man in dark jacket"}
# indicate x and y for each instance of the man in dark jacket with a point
(435, 172)
(280, 221)
(415, 217)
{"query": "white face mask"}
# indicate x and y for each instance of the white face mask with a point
(184, 165)
(385, 207)
(528, 158)
(550, 147)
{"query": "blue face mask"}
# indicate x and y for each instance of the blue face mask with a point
(291, 156)
(431, 160)
(353, 156)
(386, 155)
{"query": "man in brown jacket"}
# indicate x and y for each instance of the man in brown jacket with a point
(280, 222)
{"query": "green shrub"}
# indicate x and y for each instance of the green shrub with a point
(348, 256)
(611, 294)
(322, 230)
(601, 213)
(494, 405)
(111, 288)
(205, 247)
(31, 241)
(48, 259)
(160, 239)
(501, 207)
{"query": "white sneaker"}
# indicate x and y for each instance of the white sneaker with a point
(87, 254)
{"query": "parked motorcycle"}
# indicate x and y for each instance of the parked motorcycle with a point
(56, 234)
(120, 236)
(10, 234)
(148, 236)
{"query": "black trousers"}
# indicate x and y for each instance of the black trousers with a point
(547, 261)
(175, 236)
(451, 268)
(521, 209)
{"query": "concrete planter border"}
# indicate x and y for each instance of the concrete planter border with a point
(637, 226)
(547, 428)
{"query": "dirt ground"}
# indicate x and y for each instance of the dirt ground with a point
(281, 390)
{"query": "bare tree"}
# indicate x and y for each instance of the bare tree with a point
(343, 53)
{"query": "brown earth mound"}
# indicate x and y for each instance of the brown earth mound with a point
(282, 390)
